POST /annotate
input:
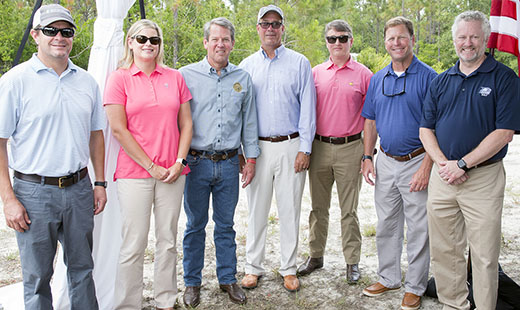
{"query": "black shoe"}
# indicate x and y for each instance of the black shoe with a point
(310, 265)
(353, 273)
(235, 293)
(192, 296)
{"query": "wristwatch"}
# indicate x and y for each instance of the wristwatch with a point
(182, 161)
(99, 183)
(366, 157)
(461, 163)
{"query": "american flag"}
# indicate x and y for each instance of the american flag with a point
(505, 27)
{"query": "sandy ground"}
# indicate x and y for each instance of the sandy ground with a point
(325, 288)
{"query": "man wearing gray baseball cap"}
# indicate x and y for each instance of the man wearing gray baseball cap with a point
(51, 110)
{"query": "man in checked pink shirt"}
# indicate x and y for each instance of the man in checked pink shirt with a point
(341, 85)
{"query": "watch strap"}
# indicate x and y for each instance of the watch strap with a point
(101, 183)
(366, 157)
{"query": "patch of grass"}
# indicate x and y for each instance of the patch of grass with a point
(149, 254)
(12, 256)
(272, 219)
(369, 230)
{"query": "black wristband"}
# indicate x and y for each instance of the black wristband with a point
(99, 183)
(461, 163)
(366, 157)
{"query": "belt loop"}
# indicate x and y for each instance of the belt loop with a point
(289, 137)
(42, 180)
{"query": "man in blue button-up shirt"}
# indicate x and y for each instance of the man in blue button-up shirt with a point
(286, 106)
(224, 118)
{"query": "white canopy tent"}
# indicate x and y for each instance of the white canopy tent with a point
(104, 56)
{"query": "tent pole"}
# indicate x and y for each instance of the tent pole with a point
(16, 61)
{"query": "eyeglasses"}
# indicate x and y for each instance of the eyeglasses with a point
(275, 25)
(392, 94)
(53, 31)
(333, 39)
(142, 39)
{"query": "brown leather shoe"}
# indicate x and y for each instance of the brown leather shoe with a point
(411, 301)
(192, 296)
(235, 293)
(250, 281)
(291, 283)
(377, 289)
(353, 273)
(310, 265)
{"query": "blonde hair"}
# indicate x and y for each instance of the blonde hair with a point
(128, 56)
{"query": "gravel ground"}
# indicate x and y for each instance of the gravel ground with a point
(326, 288)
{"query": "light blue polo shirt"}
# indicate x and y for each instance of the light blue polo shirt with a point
(48, 117)
(398, 117)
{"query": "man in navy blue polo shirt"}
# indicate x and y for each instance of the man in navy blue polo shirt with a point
(470, 114)
(393, 108)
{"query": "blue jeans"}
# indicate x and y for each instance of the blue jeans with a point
(57, 214)
(220, 179)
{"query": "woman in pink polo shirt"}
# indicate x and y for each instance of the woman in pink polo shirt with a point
(147, 105)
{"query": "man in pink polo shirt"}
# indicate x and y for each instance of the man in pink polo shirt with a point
(341, 85)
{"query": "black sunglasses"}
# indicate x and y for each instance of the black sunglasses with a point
(333, 39)
(142, 39)
(393, 94)
(275, 25)
(53, 31)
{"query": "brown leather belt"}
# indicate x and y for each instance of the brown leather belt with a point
(406, 157)
(487, 163)
(61, 182)
(280, 138)
(214, 156)
(338, 140)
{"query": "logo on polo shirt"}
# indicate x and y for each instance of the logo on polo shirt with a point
(484, 91)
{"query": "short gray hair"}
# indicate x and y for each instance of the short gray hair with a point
(339, 25)
(219, 21)
(469, 16)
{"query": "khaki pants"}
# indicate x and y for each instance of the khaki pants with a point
(275, 170)
(470, 212)
(136, 197)
(341, 164)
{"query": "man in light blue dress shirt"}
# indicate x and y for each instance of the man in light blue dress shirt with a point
(224, 118)
(286, 107)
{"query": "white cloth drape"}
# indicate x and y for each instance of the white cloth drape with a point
(104, 56)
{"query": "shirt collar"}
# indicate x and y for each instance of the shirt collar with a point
(209, 69)
(329, 64)
(412, 68)
(38, 65)
(488, 65)
(135, 70)
(277, 52)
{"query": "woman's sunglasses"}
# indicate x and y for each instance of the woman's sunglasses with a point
(142, 39)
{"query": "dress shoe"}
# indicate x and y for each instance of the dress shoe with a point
(250, 281)
(377, 289)
(353, 273)
(235, 293)
(291, 283)
(192, 296)
(411, 302)
(310, 265)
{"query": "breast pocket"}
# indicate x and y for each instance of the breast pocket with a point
(234, 104)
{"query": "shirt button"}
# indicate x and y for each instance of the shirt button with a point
(218, 140)
(218, 80)
(463, 89)
(218, 125)
(218, 110)
(218, 95)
